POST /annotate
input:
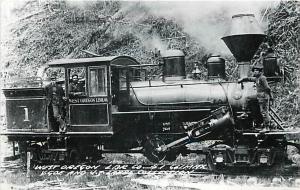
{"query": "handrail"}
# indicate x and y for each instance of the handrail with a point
(184, 84)
(145, 104)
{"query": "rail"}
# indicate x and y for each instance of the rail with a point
(188, 83)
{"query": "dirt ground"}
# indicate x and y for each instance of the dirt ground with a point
(15, 176)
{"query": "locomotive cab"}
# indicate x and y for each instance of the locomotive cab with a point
(91, 101)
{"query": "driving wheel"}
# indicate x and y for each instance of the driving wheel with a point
(150, 149)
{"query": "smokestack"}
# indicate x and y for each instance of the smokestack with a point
(243, 39)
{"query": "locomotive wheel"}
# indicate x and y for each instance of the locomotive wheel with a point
(210, 163)
(74, 156)
(150, 149)
(36, 153)
(22, 150)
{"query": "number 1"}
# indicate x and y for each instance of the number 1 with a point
(26, 114)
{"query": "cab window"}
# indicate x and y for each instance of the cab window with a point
(77, 82)
(97, 81)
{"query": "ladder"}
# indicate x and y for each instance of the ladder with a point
(280, 123)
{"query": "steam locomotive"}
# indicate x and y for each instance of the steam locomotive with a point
(121, 110)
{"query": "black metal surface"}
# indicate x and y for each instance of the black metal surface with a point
(243, 37)
(216, 67)
(173, 65)
(243, 46)
(23, 92)
(94, 114)
(26, 114)
(150, 149)
(271, 68)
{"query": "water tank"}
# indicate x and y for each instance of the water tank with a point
(216, 67)
(173, 65)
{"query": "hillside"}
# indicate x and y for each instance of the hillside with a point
(47, 30)
(283, 32)
(54, 29)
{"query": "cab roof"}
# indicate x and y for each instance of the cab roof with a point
(94, 61)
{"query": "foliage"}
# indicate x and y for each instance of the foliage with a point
(283, 32)
(55, 29)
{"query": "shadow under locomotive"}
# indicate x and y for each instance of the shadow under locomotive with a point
(121, 109)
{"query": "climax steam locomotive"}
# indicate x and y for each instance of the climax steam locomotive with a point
(120, 110)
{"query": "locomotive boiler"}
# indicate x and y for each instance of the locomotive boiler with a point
(122, 110)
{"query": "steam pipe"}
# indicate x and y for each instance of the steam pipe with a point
(243, 69)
